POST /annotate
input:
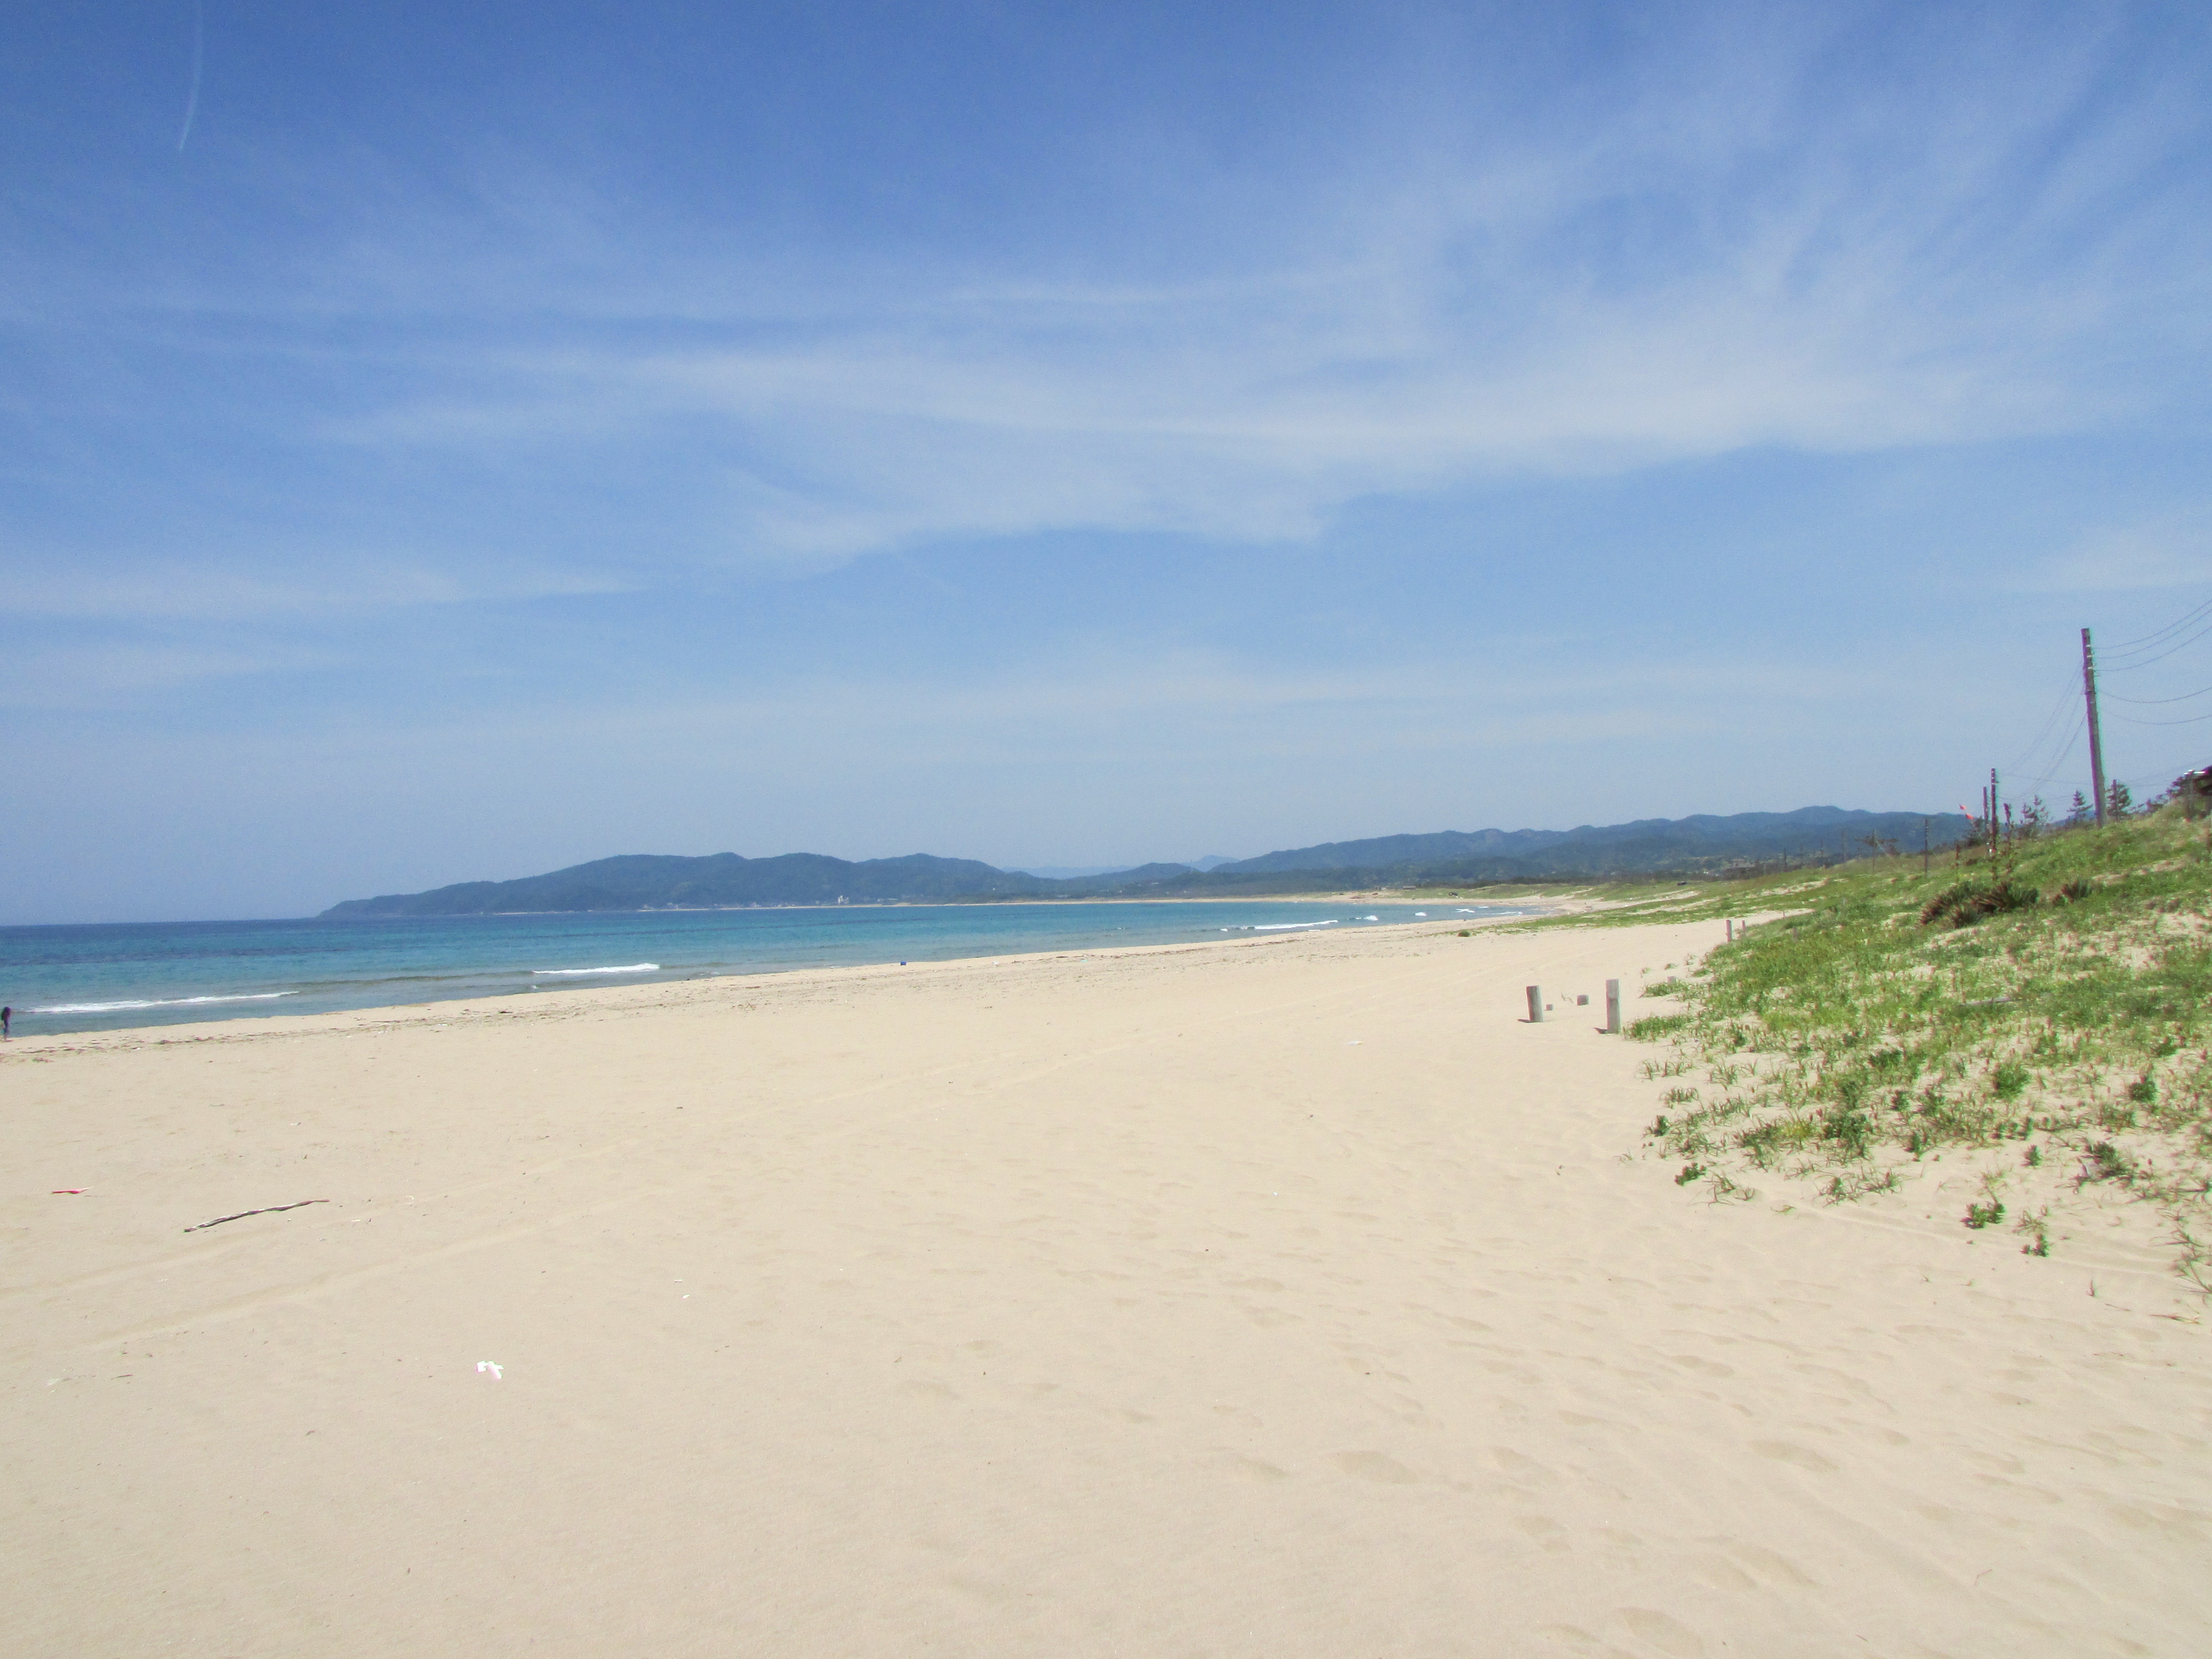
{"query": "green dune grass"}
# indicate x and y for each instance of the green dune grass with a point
(2045, 1000)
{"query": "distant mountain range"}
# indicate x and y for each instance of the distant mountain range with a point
(1068, 871)
(1701, 844)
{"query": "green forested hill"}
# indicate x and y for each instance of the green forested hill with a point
(653, 881)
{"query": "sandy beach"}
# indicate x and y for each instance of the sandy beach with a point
(1286, 1298)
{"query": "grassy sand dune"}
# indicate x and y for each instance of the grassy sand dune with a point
(2018, 1038)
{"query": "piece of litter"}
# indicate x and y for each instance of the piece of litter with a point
(1354, 1043)
(58, 1191)
(483, 1365)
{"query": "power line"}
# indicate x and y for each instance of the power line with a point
(2145, 662)
(2056, 760)
(2066, 694)
(2148, 702)
(2126, 646)
(2143, 780)
(2193, 720)
(2064, 754)
(2150, 648)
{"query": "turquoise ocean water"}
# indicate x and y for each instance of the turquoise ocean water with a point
(109, 975)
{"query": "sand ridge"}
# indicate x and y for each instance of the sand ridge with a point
(1292, 1297)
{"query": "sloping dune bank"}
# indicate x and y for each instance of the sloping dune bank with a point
(1286, 1298)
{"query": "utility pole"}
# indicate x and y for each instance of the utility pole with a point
(2096, 739)
(1993, 809)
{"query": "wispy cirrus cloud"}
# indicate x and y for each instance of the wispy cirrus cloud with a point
(308, 584)
(78, 677)
(2172, 551)
(1773, 233)
(1659, 289)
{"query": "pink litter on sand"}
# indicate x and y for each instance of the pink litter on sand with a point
(59, 1190)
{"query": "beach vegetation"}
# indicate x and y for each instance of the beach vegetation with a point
(2045, 1000)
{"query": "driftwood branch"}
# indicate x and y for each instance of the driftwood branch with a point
(274, 1209)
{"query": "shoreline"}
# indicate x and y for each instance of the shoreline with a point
(680, 975)
(640, 993)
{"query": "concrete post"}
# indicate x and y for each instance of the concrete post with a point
(1535, 1005)
(1612, 1007)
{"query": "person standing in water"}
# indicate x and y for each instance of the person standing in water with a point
(7, 1018)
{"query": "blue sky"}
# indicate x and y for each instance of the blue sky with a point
(459, 441)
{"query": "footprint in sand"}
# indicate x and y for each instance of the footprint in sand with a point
(1721, 1574)
(1661, 1632)
(1783, 1452)
(1251, 1468)
(1570, 1635)
(1707, 1367)
(1547, 1532)
(1512, 1463)
(1374, 1466)
(1764, 1562)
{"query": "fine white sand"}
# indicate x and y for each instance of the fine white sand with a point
(1277, 1299)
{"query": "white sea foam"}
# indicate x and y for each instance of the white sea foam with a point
(573, 973)
(1285, 927)
(158, 1002)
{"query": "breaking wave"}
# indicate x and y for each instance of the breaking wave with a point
(155, 1002)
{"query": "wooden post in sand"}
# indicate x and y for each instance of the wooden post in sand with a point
(1535, 1005)
(1612, 1007)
